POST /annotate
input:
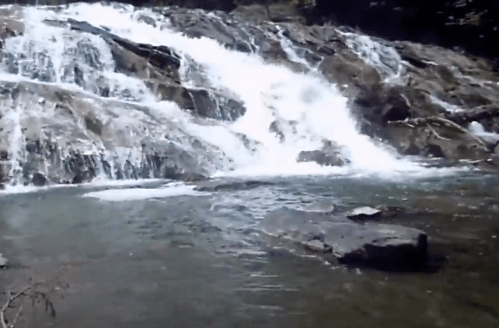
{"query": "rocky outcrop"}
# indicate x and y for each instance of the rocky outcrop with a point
(370, 244)
(470, 25)
(159, 67)
(69, 137)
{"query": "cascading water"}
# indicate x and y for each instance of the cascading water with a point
(385, 59)
(307, 107)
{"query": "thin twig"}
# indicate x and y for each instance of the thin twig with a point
(16, 317)
(20, 293)
(6, 303)
(2, 320)
(435, 133)
(6, 306)
(2, 311)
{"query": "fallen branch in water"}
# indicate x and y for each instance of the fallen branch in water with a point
(10, 299)
(33, 295)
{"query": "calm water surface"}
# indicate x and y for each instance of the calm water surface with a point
(200, 261)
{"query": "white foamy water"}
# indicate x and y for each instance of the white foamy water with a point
(448, 107)
(385, 59)
(269, 92)
(121, 195)
(479, 130)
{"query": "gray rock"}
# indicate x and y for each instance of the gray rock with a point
(3, 261)
(39, 180)
(202, 102)
(364, 213)
(11, 22)
(70, 137)
(317, 246)
(320, 157)
(329, 155)
(147, 19)
(371, 244)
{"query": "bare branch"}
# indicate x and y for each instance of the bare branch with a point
(435, 133)
(6, 303)
(20, 293)
(16, 317)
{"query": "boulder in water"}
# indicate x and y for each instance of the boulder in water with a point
(364, 213)
(321, 158)
(371, 244)
(39, 179)
(329, 155)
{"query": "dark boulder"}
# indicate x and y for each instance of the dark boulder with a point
(370, 244)
(39, 179)
(329, 155)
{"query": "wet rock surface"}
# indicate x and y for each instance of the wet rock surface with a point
(406, 80)
(97, 142)
(418, 99)
(329, 155)
(370, 244)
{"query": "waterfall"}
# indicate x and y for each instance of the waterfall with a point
(307, 108)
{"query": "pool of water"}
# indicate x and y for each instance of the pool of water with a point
(157, 258)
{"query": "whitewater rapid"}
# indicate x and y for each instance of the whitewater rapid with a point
(269, 92)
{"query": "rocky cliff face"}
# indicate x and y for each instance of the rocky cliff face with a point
(417, 99)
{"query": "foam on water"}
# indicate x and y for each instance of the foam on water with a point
(479, 130)
(121, 195)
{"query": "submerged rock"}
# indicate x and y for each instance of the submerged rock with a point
(214, 186)
(371, 244)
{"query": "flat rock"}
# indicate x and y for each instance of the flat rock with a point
(372, 244)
